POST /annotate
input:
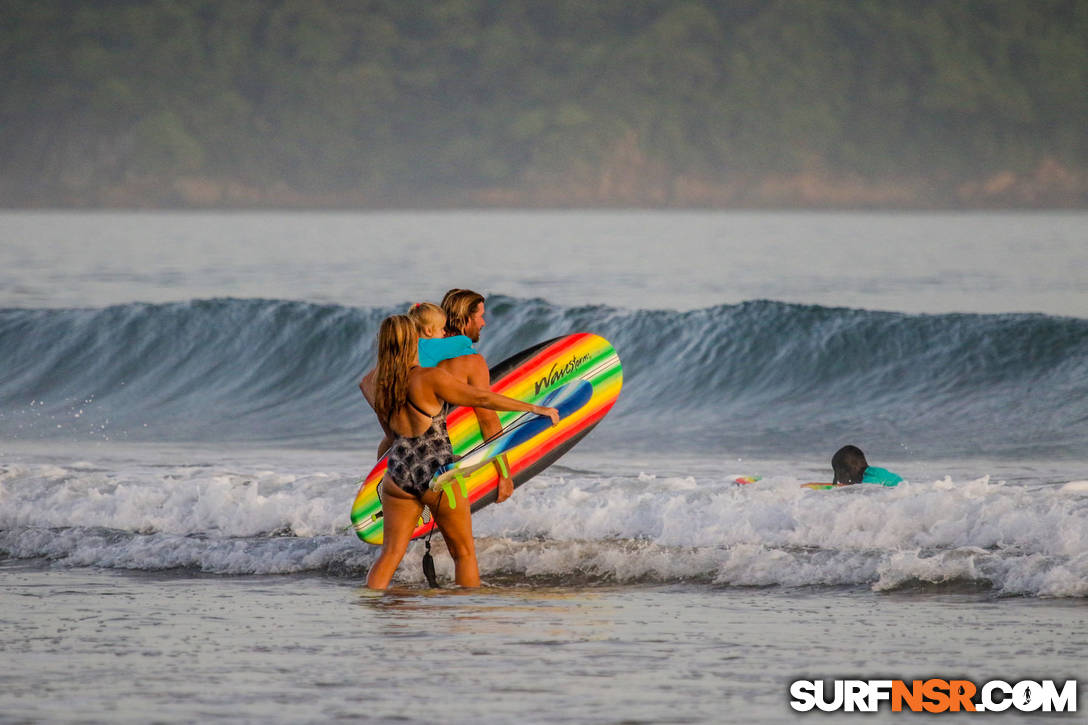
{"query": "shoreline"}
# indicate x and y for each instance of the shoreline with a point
(1049, 186)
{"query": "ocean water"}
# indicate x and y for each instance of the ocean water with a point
(181, 438)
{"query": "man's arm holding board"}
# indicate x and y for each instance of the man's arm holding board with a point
(473, 369)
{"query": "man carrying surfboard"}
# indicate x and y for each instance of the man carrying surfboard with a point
(465, 316)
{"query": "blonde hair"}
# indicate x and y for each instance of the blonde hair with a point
(427, 314)
(459, 305)
(397, 345)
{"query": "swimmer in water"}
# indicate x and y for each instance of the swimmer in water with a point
(849, 466)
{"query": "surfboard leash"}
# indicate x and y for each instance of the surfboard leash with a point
(428, 560)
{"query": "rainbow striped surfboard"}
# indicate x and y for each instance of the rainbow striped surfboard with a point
(558, 370)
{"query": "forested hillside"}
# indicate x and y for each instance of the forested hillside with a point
(523, 102)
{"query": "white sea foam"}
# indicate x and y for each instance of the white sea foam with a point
(1013, 539)
(181, 500)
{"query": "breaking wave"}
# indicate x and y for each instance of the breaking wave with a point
(758, 376)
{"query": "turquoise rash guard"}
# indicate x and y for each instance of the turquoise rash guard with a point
(881, 476)
(434, 350)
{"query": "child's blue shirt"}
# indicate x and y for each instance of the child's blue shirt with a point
(436, 349)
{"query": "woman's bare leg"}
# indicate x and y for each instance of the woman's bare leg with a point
(400, 512)
(456, 527)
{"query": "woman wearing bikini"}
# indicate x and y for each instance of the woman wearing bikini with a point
(411, 403)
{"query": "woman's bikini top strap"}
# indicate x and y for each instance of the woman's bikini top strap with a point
(423, 412)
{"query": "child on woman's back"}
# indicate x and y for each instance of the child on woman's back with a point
(433, 347)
